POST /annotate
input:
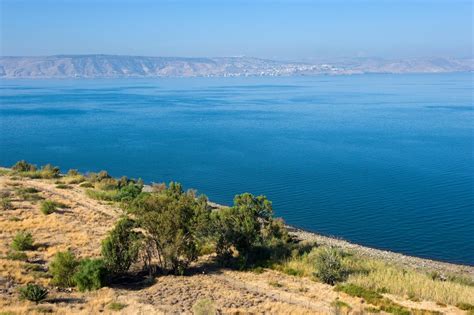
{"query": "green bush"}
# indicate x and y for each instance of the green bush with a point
(63, 268)
(48, 207)
(329, 268)
(22, 241)
(204, 307)
(33, 292)
(90, 275)
(23, 166)
(120, 248)
(86, 185)
(17, 255)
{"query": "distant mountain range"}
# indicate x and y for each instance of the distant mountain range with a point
(112, 66)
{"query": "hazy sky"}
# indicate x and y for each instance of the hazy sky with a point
(285, 29)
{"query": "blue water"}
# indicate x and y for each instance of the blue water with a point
(381, 160)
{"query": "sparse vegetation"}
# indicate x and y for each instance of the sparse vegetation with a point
(63, 268)
(22, 241)
(33, 292)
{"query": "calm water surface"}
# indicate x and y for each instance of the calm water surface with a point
(381, 160)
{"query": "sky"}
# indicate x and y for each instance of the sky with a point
(283, 30)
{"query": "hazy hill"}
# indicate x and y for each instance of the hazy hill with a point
(92, 66)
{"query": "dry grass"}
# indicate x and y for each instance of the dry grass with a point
(395, 280)
(381, 276)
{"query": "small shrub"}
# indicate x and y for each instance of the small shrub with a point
(86, 185)
(329, 268)
(116, 306)
(17, 255)
(62, 268)
(33, 292)
(49, 171)
(204, 307)
(22, 241)
(6, 204)
(90, 275)
(63, 186)
(14, 219)
(23, 166)
(48, 207)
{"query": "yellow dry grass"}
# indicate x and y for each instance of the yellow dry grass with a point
(410, 283)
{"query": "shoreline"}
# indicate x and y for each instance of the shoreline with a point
(415, 262)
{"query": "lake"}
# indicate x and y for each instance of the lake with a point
(385, 161)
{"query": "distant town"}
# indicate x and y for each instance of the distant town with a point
(116, 66)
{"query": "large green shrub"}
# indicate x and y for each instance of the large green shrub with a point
(63, 268)
(329, 267)
(120, 248)
(33, 292)
(90, 275)
(22, 241)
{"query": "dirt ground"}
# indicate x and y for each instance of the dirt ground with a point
(82, 225)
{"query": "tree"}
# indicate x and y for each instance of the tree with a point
(170, 220)
(245, 226)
